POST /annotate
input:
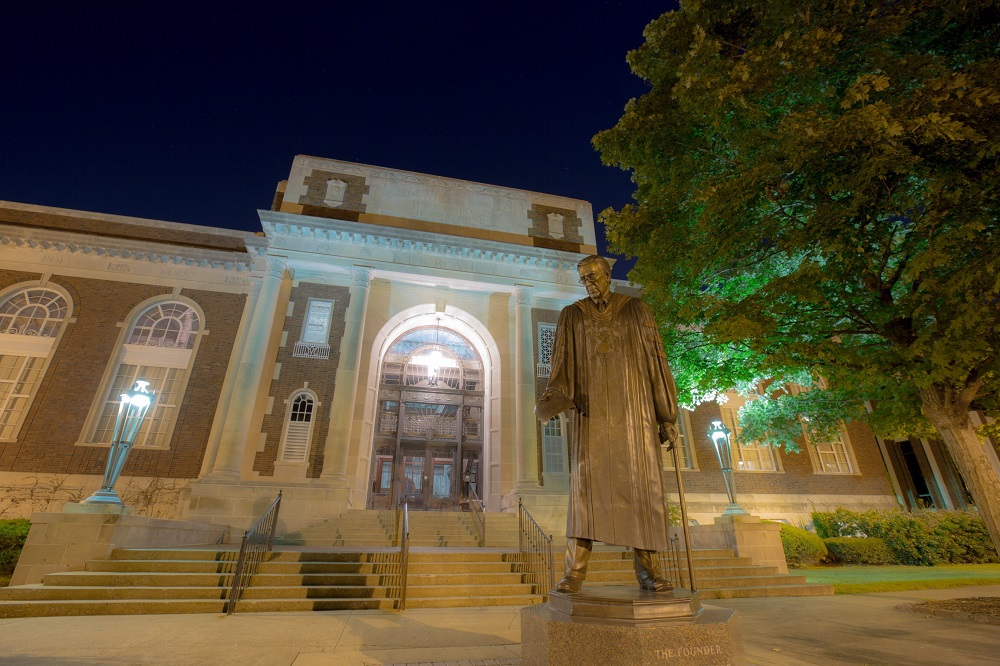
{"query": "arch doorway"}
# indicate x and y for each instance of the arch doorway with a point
(428, 441)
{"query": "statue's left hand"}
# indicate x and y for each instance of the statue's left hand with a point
(668, 435)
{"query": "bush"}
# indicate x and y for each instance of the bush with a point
(962, 539)
(802, 548)
(846, 523)
(13, 534)
(859, 550)
(920, 538)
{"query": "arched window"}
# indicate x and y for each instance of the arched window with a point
(298, 428)
(159, 348)
(31, 321)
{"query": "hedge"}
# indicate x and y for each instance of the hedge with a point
(859, 550)
(802, 548)
(13, 534)
(919, 538)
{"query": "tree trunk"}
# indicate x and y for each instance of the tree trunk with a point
(945, 409)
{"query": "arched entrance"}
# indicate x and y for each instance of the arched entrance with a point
(427, 446)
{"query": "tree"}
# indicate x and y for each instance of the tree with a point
(816, 202)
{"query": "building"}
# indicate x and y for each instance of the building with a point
(383, 337)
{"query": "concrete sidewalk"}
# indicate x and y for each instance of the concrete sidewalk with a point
(782, 631)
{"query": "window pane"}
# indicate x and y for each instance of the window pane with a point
(19, 376)
(166, 325)
(34, 311)
(317, 324)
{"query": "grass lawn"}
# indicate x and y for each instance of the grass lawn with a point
(859, 579)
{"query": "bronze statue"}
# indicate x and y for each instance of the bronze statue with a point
(608, 365)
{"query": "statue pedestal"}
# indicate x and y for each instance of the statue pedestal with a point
(623, 625)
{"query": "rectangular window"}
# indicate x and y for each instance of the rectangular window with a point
(18, 377)
(685, 451)
(747, 456)
(830, 457)
(168, 384)
(316, 328)
(546, 339)
(554, 447)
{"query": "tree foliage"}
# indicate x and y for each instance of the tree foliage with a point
(817, 191)
(816, 202)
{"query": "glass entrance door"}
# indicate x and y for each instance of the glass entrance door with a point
(413, 484)
(427, 438)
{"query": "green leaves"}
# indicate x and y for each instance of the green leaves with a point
(817, 196)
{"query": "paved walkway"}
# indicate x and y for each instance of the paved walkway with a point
(785, 631)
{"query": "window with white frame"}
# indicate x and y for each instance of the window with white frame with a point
(159, 348)
(31, 321)
(685, 451)
(315, 339)
(298, 428)
(747, 456)
(554, 446)
(831, 457)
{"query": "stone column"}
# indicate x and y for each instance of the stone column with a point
(236, 431)
(525, 431)
(229, 384)
(337, 447)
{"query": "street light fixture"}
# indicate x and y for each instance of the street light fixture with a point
(719, 434)
(132, 408)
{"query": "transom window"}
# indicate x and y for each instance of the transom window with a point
(34, 311)
(166, 325)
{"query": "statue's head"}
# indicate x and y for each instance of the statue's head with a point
(595, 275)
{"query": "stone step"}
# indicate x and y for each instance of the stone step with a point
(174, 606)
(414, 591)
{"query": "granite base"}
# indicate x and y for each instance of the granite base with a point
(574, 630)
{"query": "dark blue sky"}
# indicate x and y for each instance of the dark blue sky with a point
(193, 113)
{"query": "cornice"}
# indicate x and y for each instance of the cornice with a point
(146, 251)
(302, 233)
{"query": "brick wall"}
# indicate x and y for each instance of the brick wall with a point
(320, 374)
(55, 421)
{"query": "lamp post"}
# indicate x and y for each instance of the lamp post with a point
(132, 408)
(719, 434)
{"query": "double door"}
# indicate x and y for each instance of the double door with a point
(426, 453)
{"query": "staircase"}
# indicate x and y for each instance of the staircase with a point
(152, 581)
(350, 564)
(718, 573)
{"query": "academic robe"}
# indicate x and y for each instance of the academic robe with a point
(610, 364)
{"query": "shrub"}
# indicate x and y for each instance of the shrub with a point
(802, 548)
(920, 538)
(962, 538)
(859, 550)
(846, 523)
(13, 533)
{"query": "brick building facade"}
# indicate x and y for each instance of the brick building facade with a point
(384, 337)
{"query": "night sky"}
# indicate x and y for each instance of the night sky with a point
(193, 114)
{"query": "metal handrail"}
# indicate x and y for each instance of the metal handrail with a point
(404, 556)
(257, 542)
(478, 515)
(536, 546)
